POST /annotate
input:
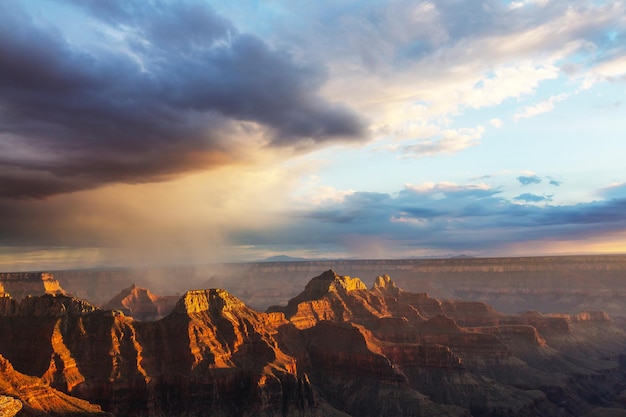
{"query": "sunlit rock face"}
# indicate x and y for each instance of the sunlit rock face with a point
(336, 349)
(22, 284)
(446, 348)
(31, 396)
(211, 351)
(9, 406)
(141, 304)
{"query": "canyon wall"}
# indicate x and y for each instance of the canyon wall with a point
(559, 284)
(337, 348)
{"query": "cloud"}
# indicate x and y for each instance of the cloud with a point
(449, 217)
(497, 123)
(447, 56)
(609, 69)
(533, 198)
(539, 108)
(112, 96)
(529, 179)
(492, 175)
(173, 88)
(450, 141)
(554, 182)
(614, 191)
(524, 3)
(450, 189)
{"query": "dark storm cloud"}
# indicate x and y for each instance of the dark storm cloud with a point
(172, 100)
(528, 179)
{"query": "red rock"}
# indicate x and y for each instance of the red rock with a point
(141, 304)
(35, 396)
(22, 284)
(336, 348)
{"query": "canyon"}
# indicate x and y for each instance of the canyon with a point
(335, 347)
(551, 284)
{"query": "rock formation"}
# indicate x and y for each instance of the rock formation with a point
(510, 285)
(141, 304)
(211, 353)
(34, 397)
(9, 406)
(446, 349)
(336, 349)
(21, 284)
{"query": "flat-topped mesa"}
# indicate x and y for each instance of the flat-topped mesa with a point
(22, 284)
(212, 300)
(589, 316)
(513, 335)
(329, 281)
(385, 284)
(547, 324)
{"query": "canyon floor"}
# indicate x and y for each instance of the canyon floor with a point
(455, 337)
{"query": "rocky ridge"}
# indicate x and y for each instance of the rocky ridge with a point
(510, 285)
(337, 348)
(141, 303)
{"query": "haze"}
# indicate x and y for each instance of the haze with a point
(158, 132)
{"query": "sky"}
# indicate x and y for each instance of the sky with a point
(142, 133)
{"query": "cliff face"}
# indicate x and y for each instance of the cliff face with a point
(336, 349)
(34, 397)
(341, 298)
(22, 284)
(445, 349)
(510, 285)
(211, 352)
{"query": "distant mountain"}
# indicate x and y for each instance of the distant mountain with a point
(284, 258)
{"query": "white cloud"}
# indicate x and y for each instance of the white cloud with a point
(539, 108)
(613, 68)
(449, 141)
(507, 81)
(517, 4)
(528, 173)
(444, 186)
(325, 195)
(609, 70)
(497, 123)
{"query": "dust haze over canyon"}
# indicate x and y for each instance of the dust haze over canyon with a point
(543, 336)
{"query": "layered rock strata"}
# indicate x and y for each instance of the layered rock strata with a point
(31, 396)
(336, 349)
(142, 304)
(22, 284)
